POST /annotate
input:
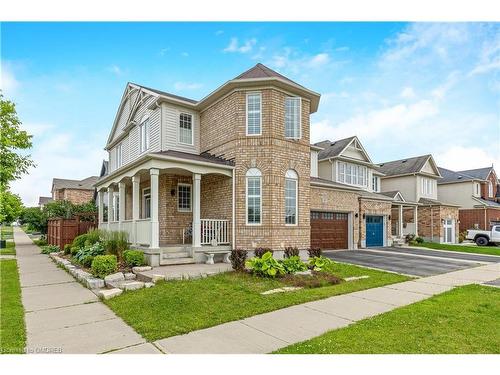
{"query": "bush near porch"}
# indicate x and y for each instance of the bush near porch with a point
(178, 307)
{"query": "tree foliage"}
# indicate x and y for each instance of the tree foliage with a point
(35, 219)
(12, 140)
(11, 207)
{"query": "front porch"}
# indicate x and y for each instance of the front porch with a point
(172, 210)
(404, 220)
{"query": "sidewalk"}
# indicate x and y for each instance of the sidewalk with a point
(271, 331)
(64, 317)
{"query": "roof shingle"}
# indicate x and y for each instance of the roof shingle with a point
(85, 184)
(403, 166)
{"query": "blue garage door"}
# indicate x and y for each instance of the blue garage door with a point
(374, 231)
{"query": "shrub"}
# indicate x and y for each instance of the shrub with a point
(79, 241)
(41, 242)
(115, 242)
(87, 261)
(291, 252)
(104, 265)
(419, 240)
(88, 251)
(266, 266)
(409, 238)
(93, 236)
(462, 236)
(67, 249)
(314, 252)
(74, 250)
(293, 264)
(238, 258)
(50, 249)
(133, 258)
(260, 251)
(318, 263)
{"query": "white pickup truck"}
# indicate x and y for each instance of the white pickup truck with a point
(485, 237)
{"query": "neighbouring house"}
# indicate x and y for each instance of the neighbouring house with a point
(414, 180)
(42, 201)
(347, 209)
(75, 191)
(476, 191)
(231, 170)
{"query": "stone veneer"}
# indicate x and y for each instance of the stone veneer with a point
(75, 196)
(430, 225)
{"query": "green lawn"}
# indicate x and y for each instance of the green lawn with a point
(12, 329)
(7, 234)
(488, 250)
(176, 307)
(463, 320)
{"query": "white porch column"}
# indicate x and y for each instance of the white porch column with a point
(100, 206)
(121, 204)
(110, 206)
(415, 220)
(155, 225)
(400, 221)
(136, 180)
(196, 210)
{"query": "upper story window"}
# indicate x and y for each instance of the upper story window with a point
(146, 203)
(490, 189)
(119, 155)
(352, 174)
(477, 189)
(184, 197)
(186, 128)
(428, 186)
(254, 113)
(254, 196)
(291, 183)
(376, 184)
(292, 117)
(144, 134)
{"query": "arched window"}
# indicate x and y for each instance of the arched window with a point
(254, 196)
(144, 133)
(291, 187)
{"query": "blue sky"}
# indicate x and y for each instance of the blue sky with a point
(404, 88)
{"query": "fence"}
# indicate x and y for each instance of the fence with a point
(63, 231)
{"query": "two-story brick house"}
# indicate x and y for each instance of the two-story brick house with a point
(231, 170)
(476, 192)
(74, 191)
(415, 179)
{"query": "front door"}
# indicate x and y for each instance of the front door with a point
(449, 231)
(374, 231)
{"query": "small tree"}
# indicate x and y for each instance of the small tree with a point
(35, 218)
(11, 207)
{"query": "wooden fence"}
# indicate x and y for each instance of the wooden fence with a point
(63, 231)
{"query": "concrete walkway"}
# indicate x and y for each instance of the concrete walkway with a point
(268, 332)
(64, 317)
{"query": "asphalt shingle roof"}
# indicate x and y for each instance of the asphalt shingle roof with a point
(164, 93)
(487, 202)
(262, 71)
(44, 200)
(85, 184)
(206, 157)
(403, 166)
(480, 173)
(452, 176)
(332, 149)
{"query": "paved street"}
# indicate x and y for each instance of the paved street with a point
(64, 317)
(416, 262)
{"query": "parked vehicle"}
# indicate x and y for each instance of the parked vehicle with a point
(485, 237)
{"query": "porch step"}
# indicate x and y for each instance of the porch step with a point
(172, 261)
(175, 254)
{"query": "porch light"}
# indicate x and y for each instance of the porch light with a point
(389, 217)
(364, 216)
(356, 215)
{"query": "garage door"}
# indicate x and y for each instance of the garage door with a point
(329, 230)
(374, 231)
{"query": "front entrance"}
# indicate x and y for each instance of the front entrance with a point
(449, 230)
(329, 230)
(374, 231)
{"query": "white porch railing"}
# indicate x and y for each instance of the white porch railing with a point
(215, 229)
(143, 232)
(128, 226)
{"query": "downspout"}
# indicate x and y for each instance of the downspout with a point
(485, 221)
(233, 229)
(432, 223)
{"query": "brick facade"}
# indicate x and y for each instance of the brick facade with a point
(75, 196)
(369, 207)
(480, 218)
(430, 222)
(485, 187)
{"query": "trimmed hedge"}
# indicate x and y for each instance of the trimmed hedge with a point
(104, 265)
(133, 258)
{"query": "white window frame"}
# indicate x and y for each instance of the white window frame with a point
(375, 184)
(351, 174)
(253, 173)
(490, 189)
(179, 209)
(260, 113)
(144, 195)
(292, 176)
(427, 187)
(299, 136)
(119, 155)
(144, 134)
(192, 128)
(477, 189)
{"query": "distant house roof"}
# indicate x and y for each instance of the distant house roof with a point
(450, 176)
(332, 149)
(404, 166)
(378, 196)
(480, 173)
(484, 202)
(167, 94)
(205, 157)
(85, 184)
(434, 202)
(42, 201)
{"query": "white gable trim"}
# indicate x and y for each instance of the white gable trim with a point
(399, 197)
(356, 141)
(433, 164)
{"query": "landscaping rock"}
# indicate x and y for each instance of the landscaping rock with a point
(141, 269)
(304, 273)
(354, 278)
(132, 285)
(109, 293)
(148, 285)
(156, 278)
(82, 275)
(114, 279)
(281, 290)
(129, 276)
(94, 283)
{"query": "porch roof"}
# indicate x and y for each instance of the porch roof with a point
(205, 157)
(433, 202)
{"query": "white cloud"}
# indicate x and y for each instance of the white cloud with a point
(440, 91)
(115, 69)
(318, 60)
(407, 93)
(163, 51)
(185, 54)
(235, 46)
(219, 32)
(187, 86)
(461, 157)
(8, 82)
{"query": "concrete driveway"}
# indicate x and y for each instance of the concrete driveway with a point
(415, 262)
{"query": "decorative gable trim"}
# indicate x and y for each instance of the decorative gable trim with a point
(358, 146)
